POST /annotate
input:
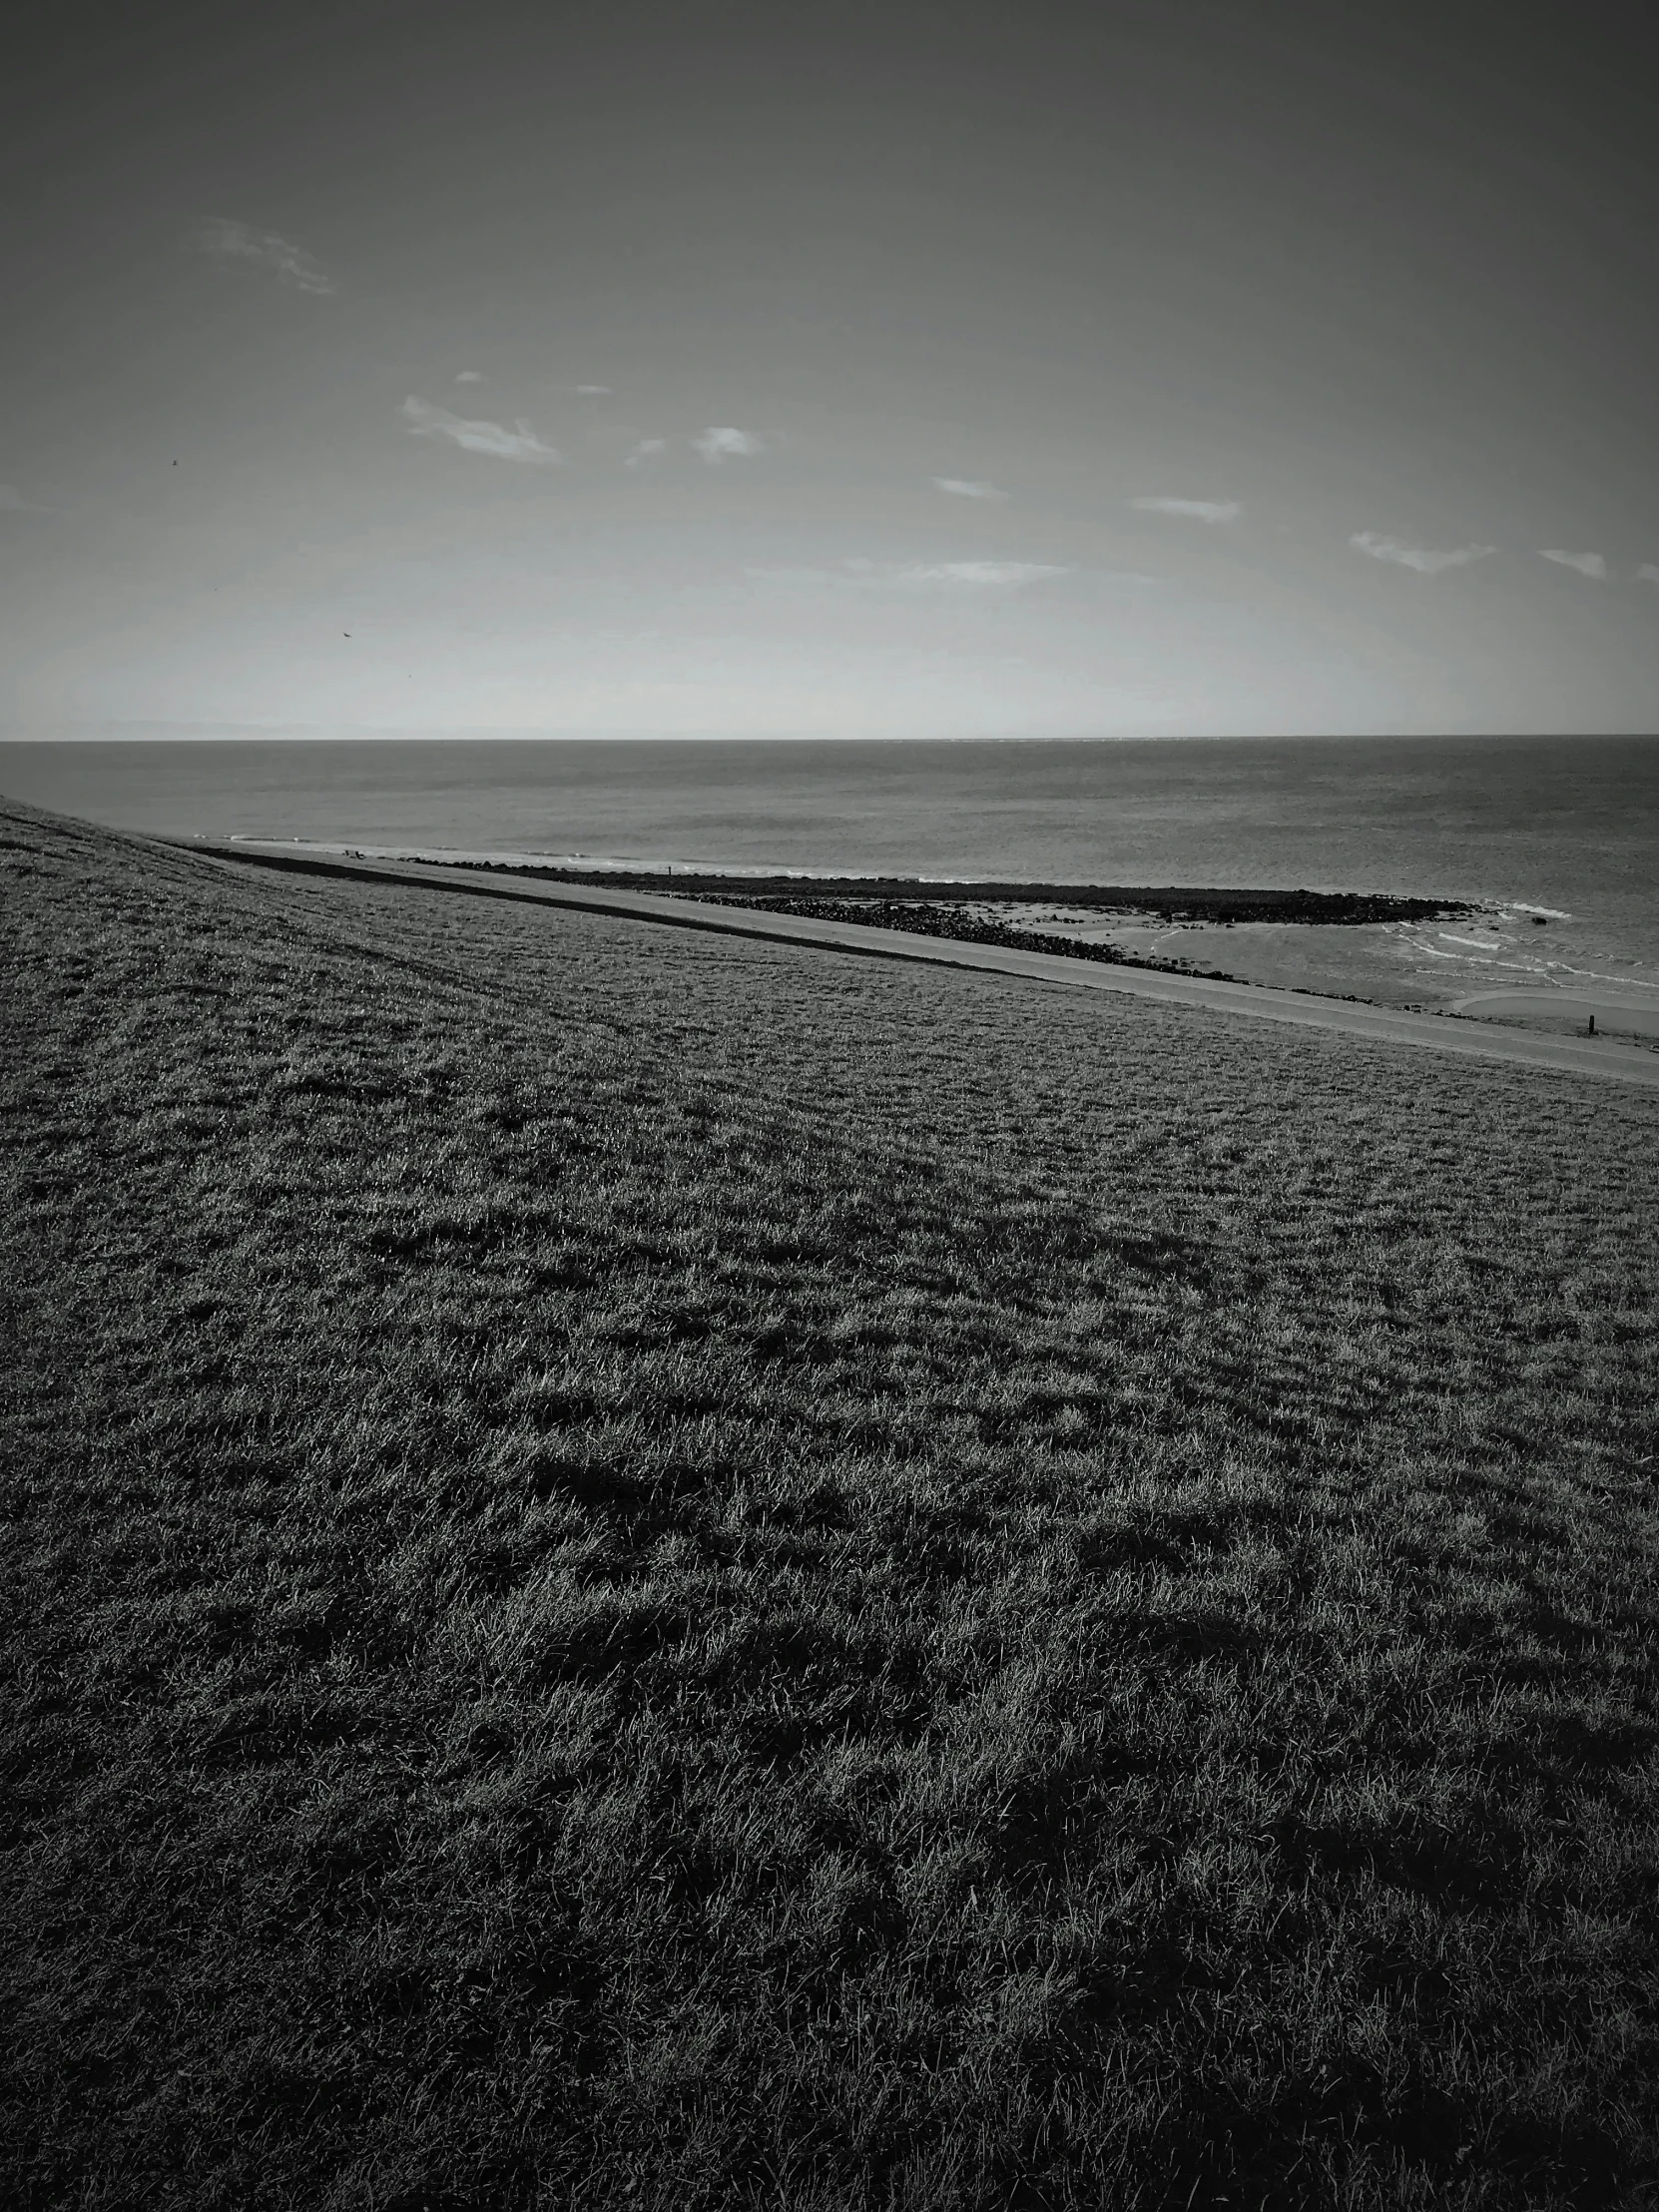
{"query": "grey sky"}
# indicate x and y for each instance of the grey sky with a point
(918, 370)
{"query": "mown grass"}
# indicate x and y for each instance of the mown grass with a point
(650, 1570)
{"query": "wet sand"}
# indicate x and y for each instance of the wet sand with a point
(1606, 1059)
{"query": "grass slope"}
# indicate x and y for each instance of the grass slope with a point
(646, 1569)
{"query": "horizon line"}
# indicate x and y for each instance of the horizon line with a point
(155, 731)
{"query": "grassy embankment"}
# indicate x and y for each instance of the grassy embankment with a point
(642, 1568)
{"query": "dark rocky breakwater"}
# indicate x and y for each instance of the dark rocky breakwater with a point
(855, 897)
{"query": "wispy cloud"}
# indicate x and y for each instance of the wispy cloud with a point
(1649, 572)
(1427, 560)
(957, 578)
(645, 452)
(1587, 564)
(594, 391)
(717, 446)
(955, 575)
(469, 376)
(1193, 510)
(519, 443)
(964, 487)
(240, 242)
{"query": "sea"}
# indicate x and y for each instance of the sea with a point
(1554, 840)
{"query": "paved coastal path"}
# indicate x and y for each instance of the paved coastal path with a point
(1593, 1056)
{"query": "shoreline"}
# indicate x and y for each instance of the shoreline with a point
(1196, 901)
(1608, 1059)
(1184, 903)
(1379, 949)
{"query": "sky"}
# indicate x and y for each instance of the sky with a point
(1175, 369)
